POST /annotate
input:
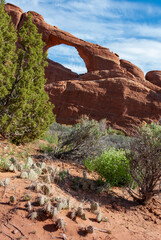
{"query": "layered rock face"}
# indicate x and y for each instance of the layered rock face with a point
(112, 89)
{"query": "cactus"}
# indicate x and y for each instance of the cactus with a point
(33, 215)
(85, 185)
(33, 176)
(48, 208)
(12, 199)
(38, 187)
(46, 178)
(59, 205)
(1, 183)
(41, 200)
(60, 224)
(45, 189)
(84, 174)
(27, 197)
(6, 182)
(29, 206)
(94, 207)
(24, 175)
(43, 165)
(72, 215)
(105, 219)
(99, 217)
(81, 213)
(54, 213)
(90, 229)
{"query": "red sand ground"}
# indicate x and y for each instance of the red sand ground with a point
(126, 220)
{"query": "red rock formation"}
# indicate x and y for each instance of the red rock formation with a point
(112, 88)
(154, 77)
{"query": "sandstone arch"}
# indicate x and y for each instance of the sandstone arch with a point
(94, 56)
(112, 88)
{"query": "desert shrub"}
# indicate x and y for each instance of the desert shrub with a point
(51, 137)
(112, 166)
(145, 162)
(116, 141)
(46, 148)
(81, 140)
(112, 131)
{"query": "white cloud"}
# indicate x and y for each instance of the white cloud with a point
(76, 68)
(144, 53)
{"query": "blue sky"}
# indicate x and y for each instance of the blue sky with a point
(130, 28)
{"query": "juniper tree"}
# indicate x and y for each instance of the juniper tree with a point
(8, 57)
(27, 110)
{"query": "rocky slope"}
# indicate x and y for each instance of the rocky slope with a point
(113, 89)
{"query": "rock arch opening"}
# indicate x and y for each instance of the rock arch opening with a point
(68, 57)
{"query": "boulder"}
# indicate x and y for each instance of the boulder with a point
(154, 77)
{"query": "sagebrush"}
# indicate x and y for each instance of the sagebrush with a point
(145, 162)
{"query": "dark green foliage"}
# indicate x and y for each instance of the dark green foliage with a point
(82, 140)
(112, 166)
(26, 112)
(145, 162)
(8, 58)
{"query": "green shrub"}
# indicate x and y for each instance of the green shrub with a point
(112, 166)
(50, 137)
(112, 131)
(81, 140)
(145, 162)
(46, 148)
